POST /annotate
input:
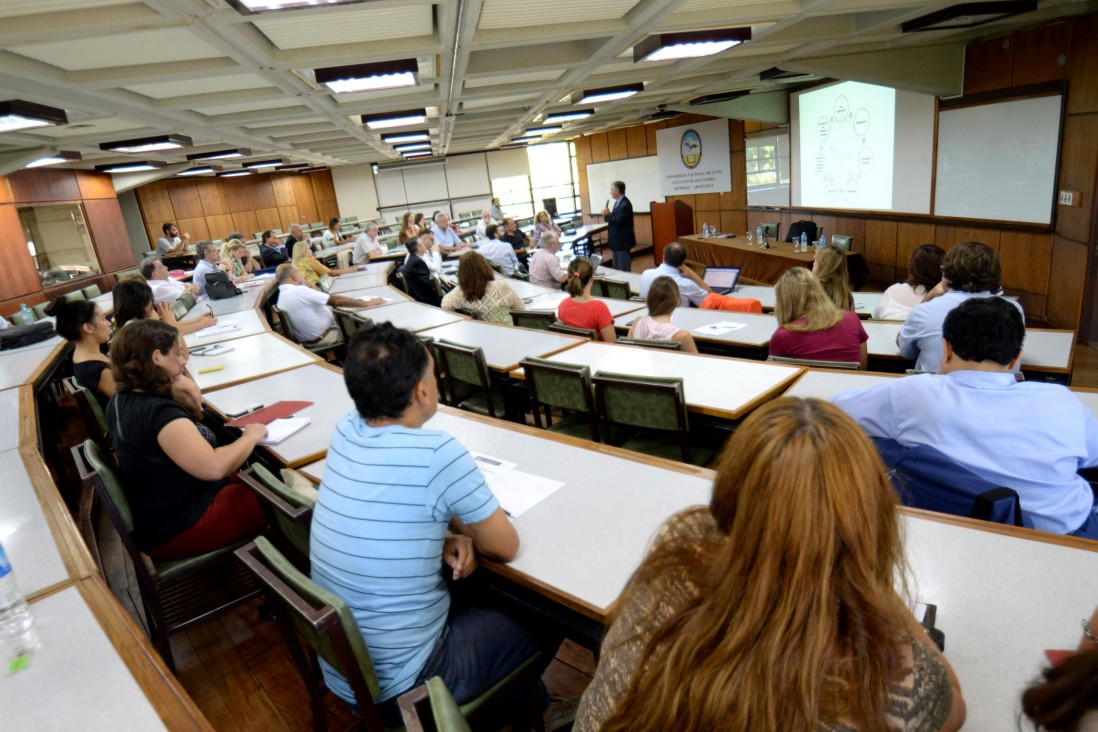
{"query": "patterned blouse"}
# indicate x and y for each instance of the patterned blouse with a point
(495, 307)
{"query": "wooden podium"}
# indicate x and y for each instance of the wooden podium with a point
(669, 222)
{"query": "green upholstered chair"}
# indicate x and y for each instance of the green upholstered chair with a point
(39, 310)
(188, 299)
(564, 386)
(469, 313)
(646, 343)
(400, 281)
(657, 406)
(351, 322)
(431, 708)
(126, 274)
(74, 296)
(180, 309)
(305, 610)
(614, 289)
(175, 593)
(840, 241)
(316, 225)
(288, 513)
(94, 420)
(291, 333)
(533, 319)
(587, 333)
(771, 229)
(465, 366)
(324, 284)
(21, 318)
(851, 365)
(91, 291)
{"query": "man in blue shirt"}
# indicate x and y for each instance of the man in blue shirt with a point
(970, 269)
(402, 510)
(208, 257)
(498, 251)
(692, 290)
(1027, 436)
(446, 237)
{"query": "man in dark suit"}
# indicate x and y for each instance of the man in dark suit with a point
(619, 220)
(418, 276)
(271, 250)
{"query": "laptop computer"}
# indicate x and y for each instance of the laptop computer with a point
(722, 280)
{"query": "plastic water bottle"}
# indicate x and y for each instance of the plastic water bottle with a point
(26, 312)
(705, 230)
(15, 617)
(759, 236)
(804, 242)
(823, 241)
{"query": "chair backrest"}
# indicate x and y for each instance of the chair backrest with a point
(770, 229)
(39, 310)
(562, 385)
(320, 618)
(91, 291)
(21, 318)
(188, 299)
(467, 365)
(804, 225)
(581, 247)
(649, 402)
(614, 289)
(288, 512)
(75, 295)
(431, 708)
(180, 309)
(440, 289)
(343, 259)
(287, 324)
(401, 281)
(350, 322)
(533, 319)
(852, 365)
(324, 284)
(314, 225)
(645, 343)
(587, 333)
(840, 241)
(94, 419)
(595, 260)
(469, 313)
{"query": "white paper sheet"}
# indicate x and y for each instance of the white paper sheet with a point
(219, 329)
(720, 328)
(279, 429)
(518, 492)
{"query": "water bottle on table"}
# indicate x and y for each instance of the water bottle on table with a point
(804, 242)
(17, 638)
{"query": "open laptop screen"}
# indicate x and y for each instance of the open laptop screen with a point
(721, 279)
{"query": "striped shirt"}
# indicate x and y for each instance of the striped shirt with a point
(377, 535)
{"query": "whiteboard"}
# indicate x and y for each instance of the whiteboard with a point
(390, 188)
(467, 176)
(998, 161)
(641, 178)
(426, 183)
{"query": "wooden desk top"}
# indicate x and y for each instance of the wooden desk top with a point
(504, 346)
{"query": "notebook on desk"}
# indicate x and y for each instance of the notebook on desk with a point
(722, 280)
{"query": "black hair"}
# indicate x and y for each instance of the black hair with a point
(383, 365)
(972, 267)
(70, 317)
(412, 244)
(985, 329)
(167, 227)
(332, 222)
(620, 186)
(266, 236)
(674, 254)
(490, 231)
(131, 299)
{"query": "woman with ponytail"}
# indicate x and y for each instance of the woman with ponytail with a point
(581, 310)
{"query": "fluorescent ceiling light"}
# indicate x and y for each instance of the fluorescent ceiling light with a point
(544, 130)
(257, 164)
(674, 46)
(414, 155)
(63, 156)
(247, 7)
(525, 138)
(234, 173)
(314, 169)
(294, 166)
(135, 167)
(140, 145)
(412, 146)
(15, 114)
(419, 136)
(201, 170)
(221, 154)
(559, 117)
(968, 15)
(369, 77)
(389, 120)
(607, 93)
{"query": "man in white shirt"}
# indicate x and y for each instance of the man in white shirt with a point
(545, 269)
(692, 289)
(208, 256)
(486, 220)
(333, 236)
(164, 288)
(310, 310)
(367, 246)
(498, 252)
(447, 237)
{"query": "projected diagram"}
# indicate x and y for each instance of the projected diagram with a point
(847, 136)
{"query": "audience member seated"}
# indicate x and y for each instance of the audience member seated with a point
(663, 298)
(486, 220)
(495, 210)
(691, 287)
(164, 288)
(773, 608)
(447, 236)
(811, 326)
(497, 251)
(367, 246)
(519, 241)
(296, 234)
(543, 224)
(417, 273)
(408, 228)
(133, 300)
(82, 323)
(243, 266)
(419, 223)
(924, 270)
(717, 301)
(172, 243)
(479, 291)
(422, 486)
(829, 266)
(581, 310)
(311, 268)
(1028, 436)
(1066, 697)
(310, 310)
(209, 260)
(545, 269)
(271, 249)
(333, 235)
(182, 489)
(969, 270)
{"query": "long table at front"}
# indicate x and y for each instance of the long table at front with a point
(763, 265)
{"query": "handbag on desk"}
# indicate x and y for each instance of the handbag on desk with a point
(220, 287)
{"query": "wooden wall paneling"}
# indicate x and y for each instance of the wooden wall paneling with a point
(734, 222)
(707, 202)
(824, 221)
(5, 191)
(701, 218)
(212, 195)
(269, 218)
(221, 225)
(154, 234)
(786, 219)
(650, 133)
(1068, 275)
(1041, 54)
(616, 144)
(884, 275)
(755, 217)
(323, 187)
(1078, 165)
(95, 185)
(305, 200)
(728, 200)
(288, 215)
(987, 65)
(739, 180)
(599, 151)
(642, 229)
(947, 236)
(156, 207)
(636, 141)
(263, 195)
(1083, 90)
(879, 243)
(108, 232)
(1034, 306)
(851, 226)
(42, 185)
(908, 236)
(185, 199)
(1026, 260)
(238, 194)
(283, 190)
(736, 141)
(20, 276)
(10, 307)
(583, 157)
(246, 223)
(327, 210)
(199, 229)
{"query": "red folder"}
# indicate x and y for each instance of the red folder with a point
(278, 410)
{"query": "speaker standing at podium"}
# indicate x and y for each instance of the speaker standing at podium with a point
(619, 227)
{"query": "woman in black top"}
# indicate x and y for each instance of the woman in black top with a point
(83, 323)
(133, 300)
(182, 489)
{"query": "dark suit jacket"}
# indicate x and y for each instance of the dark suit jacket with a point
(420, 285)
(272, 257)
(619, 230)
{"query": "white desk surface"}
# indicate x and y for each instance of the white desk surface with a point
(581, 231)
(1042, 350)
(631, 278)
(378, 291)
(9, 420)
(357, 281)
(250, 323)
(525, 289)
(227, 306)
(413, 316)
(18, 365)
(756, 334)
(25, 532)
(864, 302)
(724, 387)
(504, 346)
(551, 301)
(825, 383)
(1088, 398)
(251, 357)
(321, 385)
(77, 679)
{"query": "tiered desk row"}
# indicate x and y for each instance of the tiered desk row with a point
(999, 602)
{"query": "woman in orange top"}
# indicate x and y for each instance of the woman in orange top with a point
(581, 310)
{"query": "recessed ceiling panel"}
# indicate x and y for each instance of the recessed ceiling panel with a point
(187, 87)
(15, 8)
(551, 75)
(499, 14)
(123, 49)
(93, 127)
(273, 103)
(360, 26)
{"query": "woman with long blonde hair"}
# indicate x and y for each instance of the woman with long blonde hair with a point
(773, 608)
(811, 326)
(311, 268)
(829, 266)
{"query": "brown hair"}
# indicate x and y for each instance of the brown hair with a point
(663, 296)
(474, 274)
(580, 273)
(131, 357)
(132, 300)
(972, 267)
(924, 266)
(1065, 694)
(831, 272)
(795, 619)
(799, 294)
